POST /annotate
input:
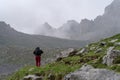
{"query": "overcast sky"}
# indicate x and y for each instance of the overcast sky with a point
(27, 15)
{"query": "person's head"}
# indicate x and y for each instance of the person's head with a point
(37, 48)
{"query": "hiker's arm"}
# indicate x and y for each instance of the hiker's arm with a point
(34, 52)
(41, 52)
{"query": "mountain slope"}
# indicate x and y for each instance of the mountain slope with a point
(16, 48)
(9, 36)
(93, 54)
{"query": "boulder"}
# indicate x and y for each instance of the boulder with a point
(31, 69)
(83, 50)
(98, 50)
(117, 44)
(102, 44)
(114, 40)
(86, 67)
(89, 73)
(32, 77)
(66, 53)
(110, 56)
(92, 48)
(51, 77)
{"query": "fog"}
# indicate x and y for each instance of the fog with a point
(102, 26)
(28, 15)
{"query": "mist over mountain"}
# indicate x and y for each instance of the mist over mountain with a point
(102, 26)
(16, 48)
(9, 36)
(45, 27)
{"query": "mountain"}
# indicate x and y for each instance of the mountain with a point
(9, 36)
(102, 26)
(96, 61)
(45, 29)
(70, 29)
(16, 48)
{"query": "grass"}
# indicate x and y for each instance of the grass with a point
(60, 68)
(57, 69)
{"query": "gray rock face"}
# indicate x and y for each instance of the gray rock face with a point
(89, 73)
(103, 26)
(111, 55)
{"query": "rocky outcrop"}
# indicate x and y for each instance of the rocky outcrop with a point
(110, 56)
(98, 50)
(66, 53)
(87, 72)
(83, 50)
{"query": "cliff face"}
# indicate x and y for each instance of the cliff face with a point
(102, 26)
(113, 8)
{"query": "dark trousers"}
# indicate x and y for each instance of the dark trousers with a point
(38, 60)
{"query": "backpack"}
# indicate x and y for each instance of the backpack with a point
(38, 52)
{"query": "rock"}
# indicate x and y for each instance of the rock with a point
(98, 50)
(117, 44)
(86, 67)
(66, 53)
(32, 77)
(31, 69)
(102, 44)
(87, 46)
(111, 55)
(89, 73)
(59, 59)
(114, 40)
(107, 59)
(81, 51)
(92, 48)
(51, 77)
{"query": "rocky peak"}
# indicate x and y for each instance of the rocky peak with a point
(69, 25)
(113, 8)
(5, 28)
(46, 25)
(4, 25)
(86, 25)
(72, 22)
(45, 29)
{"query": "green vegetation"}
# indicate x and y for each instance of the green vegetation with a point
(69, 64)
(59, 68)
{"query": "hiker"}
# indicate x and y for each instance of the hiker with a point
(37, 52)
